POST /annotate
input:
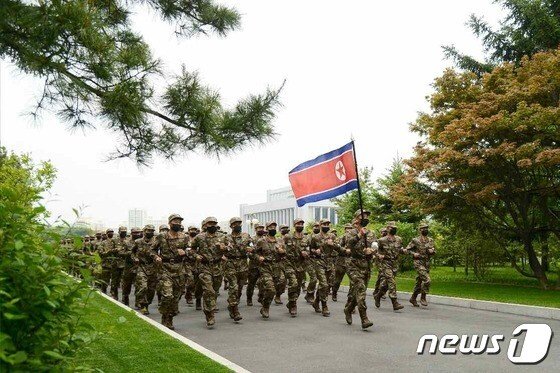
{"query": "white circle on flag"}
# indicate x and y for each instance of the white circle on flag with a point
(340, 171)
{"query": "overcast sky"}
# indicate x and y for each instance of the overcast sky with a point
(360, 68)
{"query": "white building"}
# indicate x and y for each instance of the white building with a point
(281, 207)
(137, 218)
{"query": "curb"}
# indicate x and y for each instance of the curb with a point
(484, 305)
(195, 346)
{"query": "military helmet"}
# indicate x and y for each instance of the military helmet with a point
(315, 224)
(191, 227)
(122, 229)
(258, 225)
(359, 212)
(235, 220)
(391, 224)
(323, 221)
(284, 226)
(163, 227)
(135, 230)
(109, 230)
(211, 219)
(149, 227)
(424, 224)
(269, 223)
(298, 220)
(174, 216)
(347, 226)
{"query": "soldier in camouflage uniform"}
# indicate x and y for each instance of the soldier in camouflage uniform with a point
(280, 269)
(172, 247)
(321, 246)
(341, 264)
(422, 248)
(210, 248)
(120, 250)
(106, 253)
(111, 277)
(236, 268)
(95, 243)
(358, 241)
(266, 251)
(190, 265)
(379, 273)
(388, 251)
(162, 229)
(297, 252)
(310, 295)
(129, 272)
(254, 273)
(145, 256)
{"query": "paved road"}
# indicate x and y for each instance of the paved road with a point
(312, 343)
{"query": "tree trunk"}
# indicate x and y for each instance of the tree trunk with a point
(544, 253)
(534, 263)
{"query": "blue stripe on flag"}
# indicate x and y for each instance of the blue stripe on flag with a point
(329, 194)
(323, 158)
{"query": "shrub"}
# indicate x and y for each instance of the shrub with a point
(39, 303)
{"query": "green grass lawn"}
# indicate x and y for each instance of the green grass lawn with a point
(501, 284)
(126, 343)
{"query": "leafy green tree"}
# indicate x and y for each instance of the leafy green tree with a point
(348, 203)
(40, 305)
(530, 26)
(490, 154)
(98, 72)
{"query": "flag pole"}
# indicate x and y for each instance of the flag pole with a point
(359, 189)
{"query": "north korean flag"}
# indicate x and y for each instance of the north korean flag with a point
(327, 176)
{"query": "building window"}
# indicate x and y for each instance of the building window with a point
(332, 217)
(317, 214)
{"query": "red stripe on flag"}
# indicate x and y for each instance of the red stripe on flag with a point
(323, 177)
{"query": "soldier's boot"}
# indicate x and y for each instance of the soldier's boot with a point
(423, 300)
(236, 314)
(292, 307)
(396, 305)
(365, 321)
(210, 321)
(277, 299)
(260, 298)
(230, 309)
(198, 304)
(324, 309)
(383, 296)
(188, 298)
(315, 305)
(167, 321)
(413, 299)
(144, 310)
(126, 300)
(303, 286)
(264, 312)
(348, 315)
(377, 299)
(249, 301)
(334, 296)
(309, 297)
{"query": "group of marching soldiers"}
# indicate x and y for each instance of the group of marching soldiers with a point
(195, 263)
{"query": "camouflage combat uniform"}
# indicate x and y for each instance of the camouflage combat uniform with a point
(388, 251)
(341, 265)
(358, 270)
(423, 248)
(172, 281)
(209, 248)
(254, 273)
(295, 244)
(236, 267)
(144, 254)
(325, 244)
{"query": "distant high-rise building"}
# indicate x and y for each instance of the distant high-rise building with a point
(137, 218)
